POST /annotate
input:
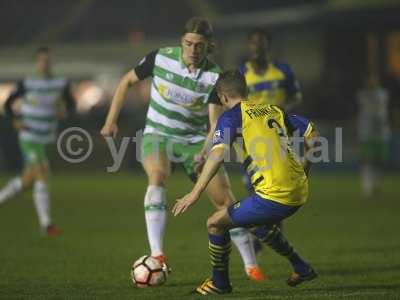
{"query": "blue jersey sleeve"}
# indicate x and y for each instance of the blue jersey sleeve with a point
(291, 84)
(242, 69)
(300, 123)
(228, 127)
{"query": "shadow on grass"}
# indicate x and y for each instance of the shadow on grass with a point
(319, 292)
(358, 270)
(354, 288)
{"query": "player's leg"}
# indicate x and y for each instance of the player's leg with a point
(367, 168)
(158, 168)
(263, 216)
(219, 246)
(219, 191)
(246, 179)
(40, 170)
(11, 189)
(382, 156)
(275, 239)
(23, 182)
(41, 197)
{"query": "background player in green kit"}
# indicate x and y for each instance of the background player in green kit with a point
(45, 99)
(176, 127)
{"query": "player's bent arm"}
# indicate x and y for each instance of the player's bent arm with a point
(117, 102)
(213, 162)
(210, 168)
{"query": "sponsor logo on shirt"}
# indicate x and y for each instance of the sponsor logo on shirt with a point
(217, 138)
(236, 205)
(176, 96)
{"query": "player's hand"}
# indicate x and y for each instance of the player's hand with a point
(62, 112)
(109, 130)
(184, 203)
(17, 124)
(199, 160)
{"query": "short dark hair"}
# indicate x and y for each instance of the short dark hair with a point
(261, 32)
(233, 84)
(42, 50)
(200, 26)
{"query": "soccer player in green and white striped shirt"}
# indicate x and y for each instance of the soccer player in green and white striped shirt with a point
(41, 107)
(183, 79)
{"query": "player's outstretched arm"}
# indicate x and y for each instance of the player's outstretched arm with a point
(110, 127)
(210, 168)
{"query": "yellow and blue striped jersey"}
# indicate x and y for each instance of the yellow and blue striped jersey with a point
(263, 131)
(274, 86)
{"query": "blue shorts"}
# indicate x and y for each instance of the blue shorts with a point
(255, 210)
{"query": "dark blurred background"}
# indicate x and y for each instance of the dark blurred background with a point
(330, 44)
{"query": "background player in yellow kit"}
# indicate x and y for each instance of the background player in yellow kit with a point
(269, 81)
(277, 175)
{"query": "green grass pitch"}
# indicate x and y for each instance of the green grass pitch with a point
(353, 243)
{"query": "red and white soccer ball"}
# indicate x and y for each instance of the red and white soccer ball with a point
(148, 272)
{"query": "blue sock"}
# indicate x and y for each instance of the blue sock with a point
(298, 264)
(275, 239)
(220, 248)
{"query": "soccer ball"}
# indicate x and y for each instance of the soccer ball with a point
(148, 272)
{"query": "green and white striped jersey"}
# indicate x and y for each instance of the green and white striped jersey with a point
(179, 99)
(40, 100)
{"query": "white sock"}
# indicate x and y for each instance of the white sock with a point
(12, 188)
(156, 216)
(41, 201)
(367, 179)
(242, 239)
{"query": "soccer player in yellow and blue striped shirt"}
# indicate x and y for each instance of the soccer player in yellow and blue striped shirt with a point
(269, 81)
(278, 176)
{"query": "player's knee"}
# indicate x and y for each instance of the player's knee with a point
(40, 173)
(27, 179)
(157, 177)
(43, 172)
(214, 224)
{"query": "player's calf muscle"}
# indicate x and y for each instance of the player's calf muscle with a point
(41, 172)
